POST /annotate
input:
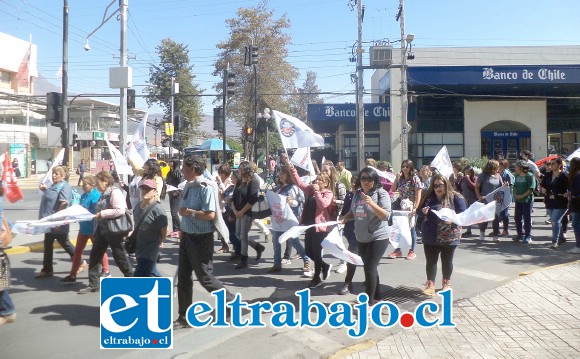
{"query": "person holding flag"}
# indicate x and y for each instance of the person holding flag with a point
(370, 209)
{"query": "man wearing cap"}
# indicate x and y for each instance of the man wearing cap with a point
(151, 231)
(197, 210)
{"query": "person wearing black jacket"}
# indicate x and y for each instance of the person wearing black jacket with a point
(174, 178)
(554, 186)
(245, 195)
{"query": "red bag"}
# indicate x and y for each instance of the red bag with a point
(11, 190)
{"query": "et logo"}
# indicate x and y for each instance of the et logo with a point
(136, 313)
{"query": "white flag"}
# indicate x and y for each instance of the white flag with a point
(121, 165)
(443, 163)
(282, 216)
(502, 196)
(132, 154)
(139, 141)
(73, 214)
(301, 158)
(573, 154)
(295, 133)
(47, 179)
(333, 245)
(476, 213)
(298, 230)
(400, 236)
(388, 175)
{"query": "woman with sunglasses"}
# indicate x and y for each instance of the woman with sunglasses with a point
(319, 207)
(440, 238)
(409, 186)
(370, 209)
(554, 186)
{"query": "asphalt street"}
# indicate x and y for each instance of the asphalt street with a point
(54, 321)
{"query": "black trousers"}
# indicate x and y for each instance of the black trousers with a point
(313, 247)
(196, 255)
(62, 239)
(371, 254)
(174, 207)
(100, 244)
(432, 253)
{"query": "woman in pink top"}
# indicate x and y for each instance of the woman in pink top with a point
(318, 208)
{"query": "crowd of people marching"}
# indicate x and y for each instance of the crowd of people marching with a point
(202, 204)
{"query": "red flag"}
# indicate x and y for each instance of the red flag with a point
(11, 190)
(23, 75)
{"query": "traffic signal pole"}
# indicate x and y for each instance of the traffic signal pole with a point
(64, 105)
(224, 101)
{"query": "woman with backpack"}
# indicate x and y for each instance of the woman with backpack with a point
(440, 238)
(319, 207)
(370, 209)
(54, 199)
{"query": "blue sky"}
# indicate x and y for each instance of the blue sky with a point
(323, 34)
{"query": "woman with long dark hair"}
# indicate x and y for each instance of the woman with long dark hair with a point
(574, 201)
(440, 238)
(524, 185)
(370, 209)
(318, 208)
(554, 186)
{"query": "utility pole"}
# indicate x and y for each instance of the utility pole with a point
(64, 105)
(172, 114)
(123, 90)
(359, 96)
(404, 103)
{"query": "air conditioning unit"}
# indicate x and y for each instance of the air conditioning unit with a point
(381, 56)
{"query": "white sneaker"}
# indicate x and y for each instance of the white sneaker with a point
(341, 268)
(482, 237)
(554, 245)
(575, 250)
(309, 274)
(496, 239)
(267, 237)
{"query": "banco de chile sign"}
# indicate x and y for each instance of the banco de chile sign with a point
(346, 112)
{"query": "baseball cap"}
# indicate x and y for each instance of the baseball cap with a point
(149, 183)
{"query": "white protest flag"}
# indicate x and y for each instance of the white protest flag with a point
(388, 175)
(295, 133)
(121, 165)
(502, 196)
(282, 216)
(400, 236)
(573, 154)
(218, 221)
(73, 214)
(47, 179)
(323, 161)
(476, 213)
(132, 155)
(442, 162)
(333, 245)
(301, 158)
(298, 230)
(139, 141)
(170, 188)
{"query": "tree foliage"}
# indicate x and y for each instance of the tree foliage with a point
(275, 76)
(308, 93)
(174, 62)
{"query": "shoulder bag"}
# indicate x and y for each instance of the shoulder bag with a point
(121, 225)
(261, 209)
(131, 242)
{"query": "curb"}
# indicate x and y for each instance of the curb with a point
(523, 274)
(355, 348)
(35, 247)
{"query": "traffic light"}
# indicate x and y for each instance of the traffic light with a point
(76, 142)
(254, 54)
(218, 118)
(177, 122)
(130, 98)
(177, 143)
(54, 108)
(165, 142)
(230, 83)
(249, 132)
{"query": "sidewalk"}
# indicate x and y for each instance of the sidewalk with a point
(535, 316)
(33, 181)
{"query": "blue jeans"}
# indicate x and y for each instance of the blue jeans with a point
(146, 268)
(523, 211)
(556, 215)
(295, 242)
(576, 226)
(6, 305)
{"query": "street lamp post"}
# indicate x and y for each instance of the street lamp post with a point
(405, 41)
(266, 117)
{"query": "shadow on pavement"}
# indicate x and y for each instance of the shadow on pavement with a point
(75, 314)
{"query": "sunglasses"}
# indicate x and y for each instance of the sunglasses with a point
(438, 185)
(366, 179)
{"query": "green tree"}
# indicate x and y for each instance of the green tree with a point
(308, 93)
(275, 77)
(174, 62)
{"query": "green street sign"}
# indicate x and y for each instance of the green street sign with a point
(98, 135)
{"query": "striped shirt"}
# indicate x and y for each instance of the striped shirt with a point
(199, 197)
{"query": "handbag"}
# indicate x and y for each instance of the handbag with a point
(122, 225)
(6, 236)
(131, 241)
(261, 209)
(4, 271)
